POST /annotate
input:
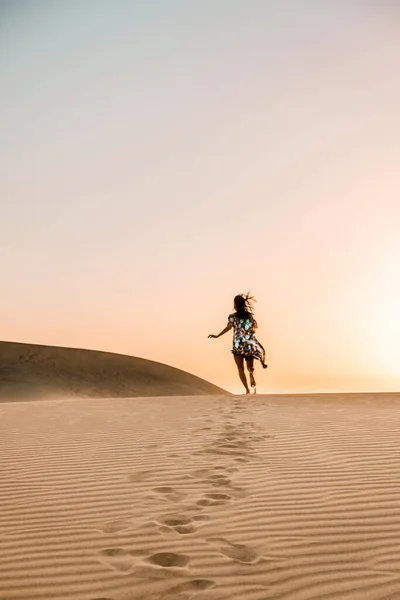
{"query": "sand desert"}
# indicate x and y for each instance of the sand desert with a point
(212, 497)
(213, 185)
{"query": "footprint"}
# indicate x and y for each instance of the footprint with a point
(214, 499)
(138, 476)
(211, 475)
(185, 529)
(170, 493)
(238, 492)
(196, 585)
(115, 526)
(234, 445)
(231, 438)
(114, 552)
(201, 473)
(169, 559)
(219, 480)
(200, 518)
(182, 525)
(117, 558)
(175, 521)
(207, 502)
(219, 452)
(221, 496)
(237, 552)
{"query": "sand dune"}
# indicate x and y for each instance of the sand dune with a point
(224, 498)
(34, 371)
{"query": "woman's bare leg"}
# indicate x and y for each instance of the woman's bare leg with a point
(262, 359)
(239, 363)
(250, 368)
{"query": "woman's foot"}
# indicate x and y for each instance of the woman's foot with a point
(252, 380)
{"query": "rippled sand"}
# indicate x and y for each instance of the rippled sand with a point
(234, 498)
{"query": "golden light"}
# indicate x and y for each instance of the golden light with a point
(381, 316)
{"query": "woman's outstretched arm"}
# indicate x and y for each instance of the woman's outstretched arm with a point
(227, 328)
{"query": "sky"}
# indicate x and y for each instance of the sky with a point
(158, 158)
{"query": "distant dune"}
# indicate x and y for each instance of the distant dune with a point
(30, 371)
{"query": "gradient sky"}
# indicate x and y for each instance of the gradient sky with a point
(159, 157)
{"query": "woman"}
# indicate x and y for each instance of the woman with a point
(246, 347)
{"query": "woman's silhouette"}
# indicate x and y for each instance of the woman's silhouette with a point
(246, 347)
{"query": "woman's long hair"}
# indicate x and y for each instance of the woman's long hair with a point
(243, 304)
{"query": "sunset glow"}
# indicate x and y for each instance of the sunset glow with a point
(159, 158)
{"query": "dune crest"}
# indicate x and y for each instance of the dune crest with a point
(34, 371)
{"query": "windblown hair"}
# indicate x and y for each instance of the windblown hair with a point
(243, 304)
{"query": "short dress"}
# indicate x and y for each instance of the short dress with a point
(245, 342)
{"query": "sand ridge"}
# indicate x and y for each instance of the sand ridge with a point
(290, 498)
(32, 371)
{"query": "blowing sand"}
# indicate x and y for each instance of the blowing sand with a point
(278, 498)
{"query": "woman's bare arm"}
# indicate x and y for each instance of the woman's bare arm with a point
(227, 328)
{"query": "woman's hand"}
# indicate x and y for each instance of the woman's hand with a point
(227, 328)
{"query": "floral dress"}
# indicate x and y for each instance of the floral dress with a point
(244, 341)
